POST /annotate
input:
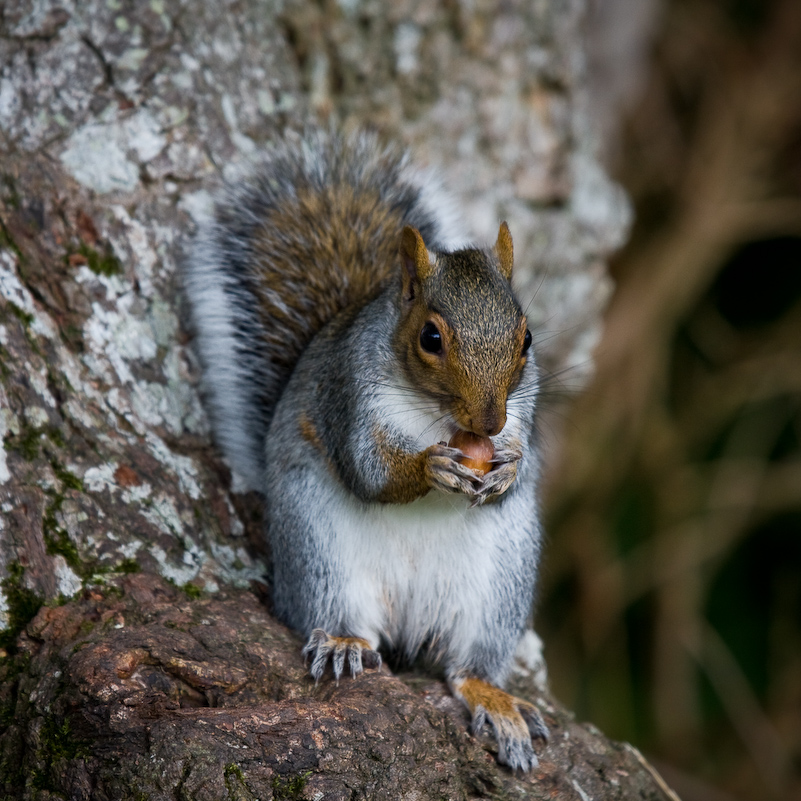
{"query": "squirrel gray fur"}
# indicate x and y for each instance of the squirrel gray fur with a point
(345, 334)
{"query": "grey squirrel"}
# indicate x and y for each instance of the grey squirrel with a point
(346, 335)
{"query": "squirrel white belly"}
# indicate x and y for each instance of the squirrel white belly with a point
(346, 336)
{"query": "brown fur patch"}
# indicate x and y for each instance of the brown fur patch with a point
(405, 472)
(308, 273)
(504, 250)
(309, 432)
(477, 693)
(415, 256)
(349, 641)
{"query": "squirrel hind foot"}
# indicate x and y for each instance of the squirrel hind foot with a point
(514, 721)
(356, 651)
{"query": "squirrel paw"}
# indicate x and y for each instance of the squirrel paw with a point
(514, 721)
(502, 475)
(445, 473)
(357, 651)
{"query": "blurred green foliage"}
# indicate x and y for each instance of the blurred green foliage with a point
(671, 605)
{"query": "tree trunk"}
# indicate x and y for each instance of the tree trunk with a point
(140, 659)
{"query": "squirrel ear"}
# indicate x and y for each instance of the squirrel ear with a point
(505, 251)
(416, 261)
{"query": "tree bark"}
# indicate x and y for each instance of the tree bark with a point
(148, 693)
(140, 659)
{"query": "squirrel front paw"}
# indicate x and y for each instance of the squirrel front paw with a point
(445, 473)
(502, 475)
(355, 650)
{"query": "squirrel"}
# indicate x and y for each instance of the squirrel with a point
(345, 333)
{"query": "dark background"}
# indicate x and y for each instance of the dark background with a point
(671, 600)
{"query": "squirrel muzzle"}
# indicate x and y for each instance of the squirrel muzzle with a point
(485, 419)
(490, 423)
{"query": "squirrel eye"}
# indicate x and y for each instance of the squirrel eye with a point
(431, 339)
(526, 342)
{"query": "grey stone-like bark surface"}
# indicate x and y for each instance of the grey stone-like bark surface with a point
(117, 119)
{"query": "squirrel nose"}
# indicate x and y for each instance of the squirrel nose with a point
(490, 423)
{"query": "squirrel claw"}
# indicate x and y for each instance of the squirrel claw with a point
(512, 453)
(355, 650)
(495, 483)
(514, 740)
(514, 721)
(445, 473)
(536, 725)
(502, 475)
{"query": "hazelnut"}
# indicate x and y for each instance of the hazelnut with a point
(478, 451)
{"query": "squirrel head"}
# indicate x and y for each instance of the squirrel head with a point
(462, 336)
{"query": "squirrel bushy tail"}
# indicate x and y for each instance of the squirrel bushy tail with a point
(313, 231)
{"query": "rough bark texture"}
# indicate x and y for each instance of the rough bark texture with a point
(150, 694)
(116, 119)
